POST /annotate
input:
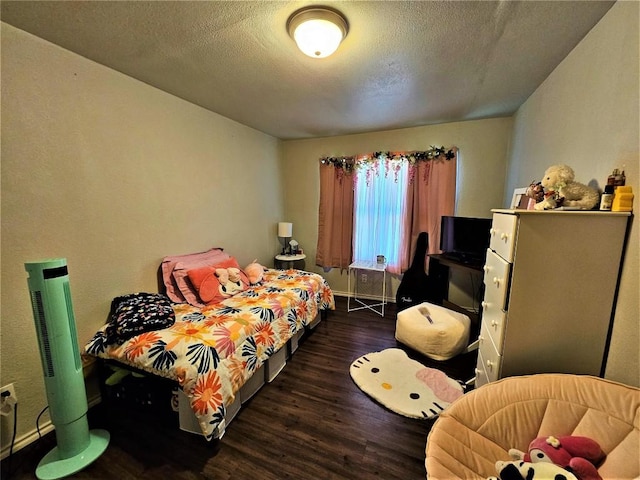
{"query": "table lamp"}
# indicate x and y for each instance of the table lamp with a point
(285, 231)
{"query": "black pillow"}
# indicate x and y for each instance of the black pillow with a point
(137, 313)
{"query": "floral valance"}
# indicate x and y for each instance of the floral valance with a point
(389, 161)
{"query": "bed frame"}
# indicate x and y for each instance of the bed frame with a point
(221, 355)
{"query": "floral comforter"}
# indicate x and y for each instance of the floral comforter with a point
(212, 351)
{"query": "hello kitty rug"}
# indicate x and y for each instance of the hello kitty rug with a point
(404, 385)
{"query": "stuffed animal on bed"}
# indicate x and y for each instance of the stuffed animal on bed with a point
(560, 186)
(234, 274)
(519, 470)
(230, 281)
(579, 455)
(255, 272)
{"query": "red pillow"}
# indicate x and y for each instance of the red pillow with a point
(209, 287)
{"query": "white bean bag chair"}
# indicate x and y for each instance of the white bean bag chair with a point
(434, 331)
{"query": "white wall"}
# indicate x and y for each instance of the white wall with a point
(483, 152)
(585, 114)
(113, 175)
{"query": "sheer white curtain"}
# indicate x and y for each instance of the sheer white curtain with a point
(380, 210)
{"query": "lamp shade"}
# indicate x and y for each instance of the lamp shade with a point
(285, 229)
(318, 31)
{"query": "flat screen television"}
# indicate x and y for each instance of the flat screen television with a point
(465, 239)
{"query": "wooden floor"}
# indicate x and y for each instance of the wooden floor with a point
(311, 422)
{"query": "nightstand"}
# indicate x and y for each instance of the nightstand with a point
(289, 260)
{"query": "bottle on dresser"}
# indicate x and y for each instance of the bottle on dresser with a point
(616, 196)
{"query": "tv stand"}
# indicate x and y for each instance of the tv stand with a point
(462, 259)
(439, 266)
(452, 262)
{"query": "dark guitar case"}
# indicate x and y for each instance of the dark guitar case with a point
(416, 286)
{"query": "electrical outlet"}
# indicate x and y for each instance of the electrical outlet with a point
(363, 277)
(8, 399)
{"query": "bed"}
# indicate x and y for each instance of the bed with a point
(212, 350)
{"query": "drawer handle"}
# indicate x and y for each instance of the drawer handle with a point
(484, 304)
(481, 339)
(496, 280)
(503, 236)
(478, 372)
(486, 268)
(494, 323)
(492, 231)
(489, 364)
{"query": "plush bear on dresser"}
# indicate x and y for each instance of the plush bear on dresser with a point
(561, 189)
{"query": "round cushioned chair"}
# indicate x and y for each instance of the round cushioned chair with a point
(480, 427)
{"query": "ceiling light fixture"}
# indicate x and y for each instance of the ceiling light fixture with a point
(318, 31)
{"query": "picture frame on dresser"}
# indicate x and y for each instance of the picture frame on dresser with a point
(519, 199)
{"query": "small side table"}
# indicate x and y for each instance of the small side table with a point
(281, 260)
(356, 268)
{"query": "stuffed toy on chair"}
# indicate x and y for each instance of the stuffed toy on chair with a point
(519, 470)
(560, 186)
(579, 455)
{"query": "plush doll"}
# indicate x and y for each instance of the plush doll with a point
(223, 275)
(579, 455)
(559, 184)
(519, 470)
(230, 281)
(535, 191)
(255, 272)
(535, 194)
(234, 274)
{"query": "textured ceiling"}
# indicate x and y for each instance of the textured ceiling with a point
(403, 63)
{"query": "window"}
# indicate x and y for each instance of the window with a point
(379, 203)
(379, 211)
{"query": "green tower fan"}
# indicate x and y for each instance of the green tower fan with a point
(76, 446)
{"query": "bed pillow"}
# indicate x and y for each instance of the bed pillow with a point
(186, 287)
(213, 283)
(172, 287)
(137, 313)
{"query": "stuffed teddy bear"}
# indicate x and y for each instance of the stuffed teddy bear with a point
(560, 186)
(579, 455)
(549, 201)
(519, 470)
(535, 191)
(255, 272)
(535, 194)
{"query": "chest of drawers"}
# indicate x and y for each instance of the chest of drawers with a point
(550, 289)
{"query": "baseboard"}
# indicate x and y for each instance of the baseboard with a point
(33, 436)
(27, 439)
(368, 297)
